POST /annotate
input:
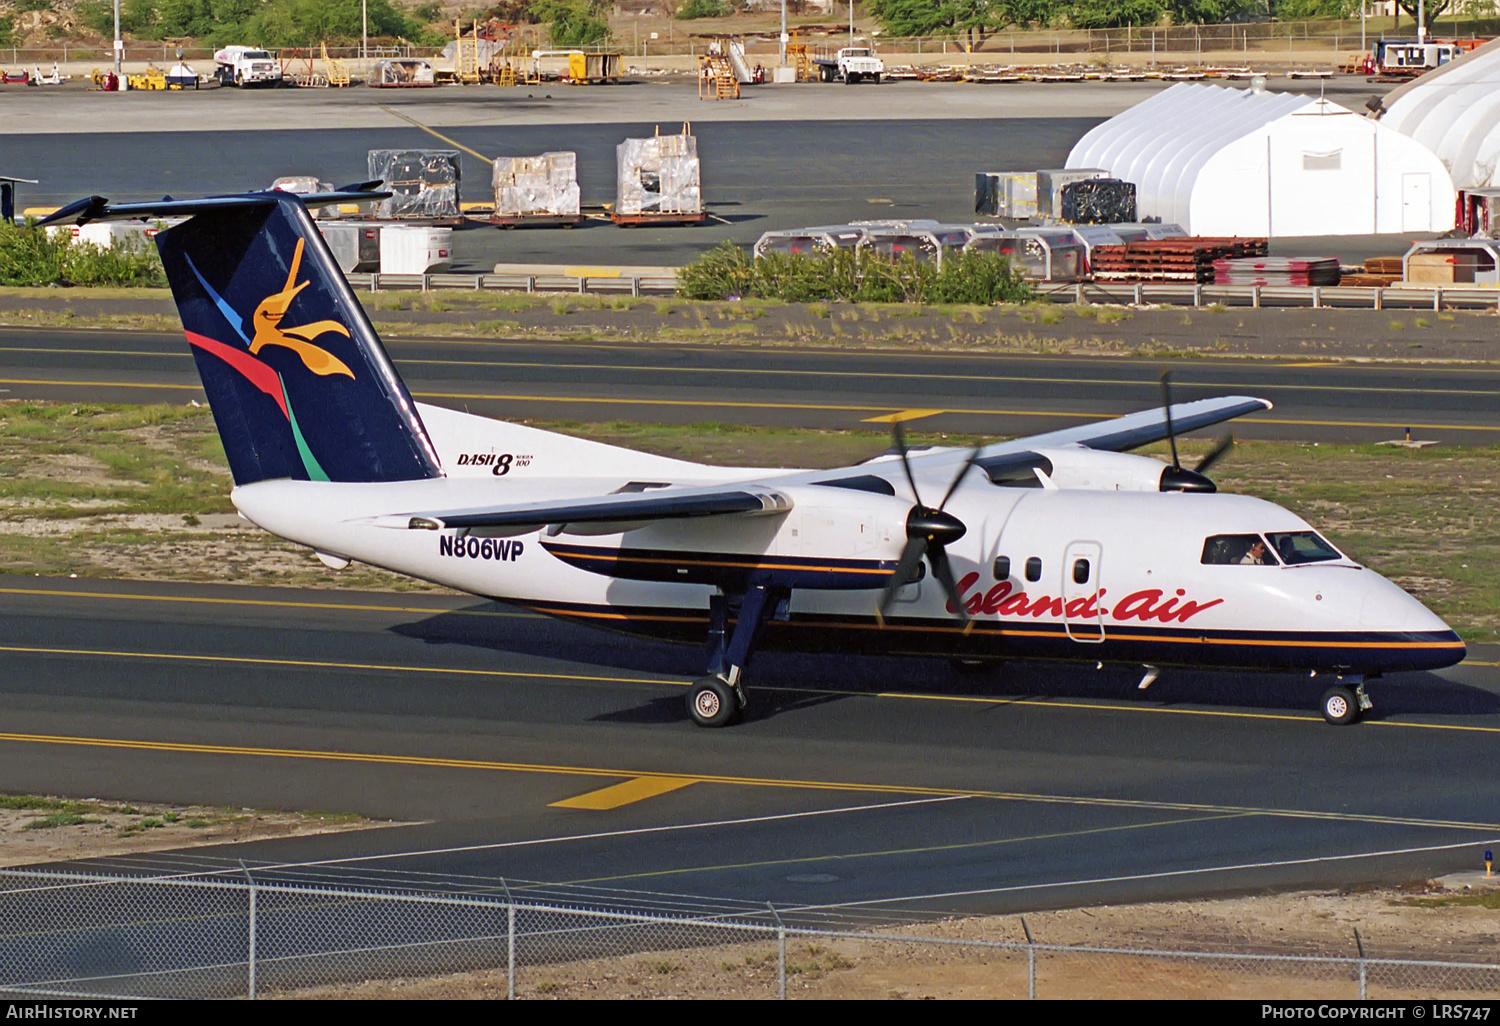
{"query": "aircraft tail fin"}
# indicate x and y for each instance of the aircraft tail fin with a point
(298, 381)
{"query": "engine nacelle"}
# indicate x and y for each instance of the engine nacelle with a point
(1096, 470)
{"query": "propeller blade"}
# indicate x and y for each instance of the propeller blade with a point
(911, 558)
(961, 472)
(1215, 454)
(899, 433)
(938, 557)
(1166, 405)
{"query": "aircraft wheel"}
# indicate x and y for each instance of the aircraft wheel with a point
(712, 703)
(1340, 707)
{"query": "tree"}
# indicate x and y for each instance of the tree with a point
(1431, 9)
(1115, 13)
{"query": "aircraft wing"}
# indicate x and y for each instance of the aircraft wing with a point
(1137, 429)
(618, 508)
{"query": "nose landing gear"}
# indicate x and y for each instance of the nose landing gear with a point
(1342, 704)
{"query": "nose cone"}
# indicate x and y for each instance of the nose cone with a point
(1387, 608)
(1427, 642)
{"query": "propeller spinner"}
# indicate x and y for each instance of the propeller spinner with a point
(1178, 478)
(929, 530)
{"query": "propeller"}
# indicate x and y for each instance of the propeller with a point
(929, 530)
(1176, 478)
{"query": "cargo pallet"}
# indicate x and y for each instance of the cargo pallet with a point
(658, 218)
(535, 220)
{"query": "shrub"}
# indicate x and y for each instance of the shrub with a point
(845, 274)
(29, 257)
(703, 9)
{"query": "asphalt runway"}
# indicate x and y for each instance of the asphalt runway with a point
(985, 394)
(885, 784)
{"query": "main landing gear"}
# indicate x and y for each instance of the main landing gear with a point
(1343, 705)
(718, 699)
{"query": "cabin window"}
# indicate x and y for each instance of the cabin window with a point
(1238, 549)
(1002, 568)
(1080, 571)
(1296, 547)
(1034, 569)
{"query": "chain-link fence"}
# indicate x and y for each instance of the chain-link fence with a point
(131, 937)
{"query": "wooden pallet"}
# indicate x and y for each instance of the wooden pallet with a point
(658, 218)
(535, 220)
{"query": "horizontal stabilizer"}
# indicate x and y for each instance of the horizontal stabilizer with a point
(632, 508)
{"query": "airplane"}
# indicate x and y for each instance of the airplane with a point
(1060, 546)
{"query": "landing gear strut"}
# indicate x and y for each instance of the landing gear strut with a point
(1342, 704)
(718, 699)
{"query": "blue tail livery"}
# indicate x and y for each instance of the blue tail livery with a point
(298, 381)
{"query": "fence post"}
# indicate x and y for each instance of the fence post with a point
(1359, 946)
(1379, 298)
(780, 953)
(1437, 299)
(635, 286)
(510, 951)
(1197, 293)
(1317, 297)
(531, 283)
(1255, 296)
(1030, 962)
(583, 285)
(1138, 298)
(252, 942)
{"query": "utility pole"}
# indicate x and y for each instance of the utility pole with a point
(364, 29)
(851, 22)
(784, 37)
(119, 43)
(1421, 21)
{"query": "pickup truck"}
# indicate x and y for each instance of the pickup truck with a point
(246, 66)
(852, 64)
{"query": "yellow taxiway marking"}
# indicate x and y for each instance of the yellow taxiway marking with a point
(845, 786)
(901, 417)
(634, 790)
(1081, 417)
(434, 133)
(454, 671)
(270, 603)
(324, 664)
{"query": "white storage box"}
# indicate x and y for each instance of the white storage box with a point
(410, 249)
(355, 245)
(108, 234)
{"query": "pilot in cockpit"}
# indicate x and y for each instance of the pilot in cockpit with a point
(1255, 555)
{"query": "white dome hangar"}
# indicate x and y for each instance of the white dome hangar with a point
(1224, 161)
(1455, 112)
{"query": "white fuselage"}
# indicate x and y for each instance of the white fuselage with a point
(1085, 570)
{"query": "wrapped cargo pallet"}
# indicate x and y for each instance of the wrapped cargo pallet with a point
(659, 175)
(1049, 187)
(424, 183)
(1005, 193)
(1098, 201)
(542, 186)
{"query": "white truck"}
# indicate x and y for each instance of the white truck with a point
(850, 65)
(246, 66)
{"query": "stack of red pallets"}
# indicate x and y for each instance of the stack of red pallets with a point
(1186, 259)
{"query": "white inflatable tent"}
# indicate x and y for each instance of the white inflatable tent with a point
(1238, 162)
(1455, 112)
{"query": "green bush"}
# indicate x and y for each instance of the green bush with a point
(846, 274)
(29, 257)
(703, 9)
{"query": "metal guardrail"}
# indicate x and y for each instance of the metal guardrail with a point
(1317, 297)
(602, 284)
(94, 936)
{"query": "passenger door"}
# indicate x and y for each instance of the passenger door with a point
(1080, 580)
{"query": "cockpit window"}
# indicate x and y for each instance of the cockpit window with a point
(1296, 547)
(1241, 549)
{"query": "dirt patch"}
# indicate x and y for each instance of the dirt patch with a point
(44, 829)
